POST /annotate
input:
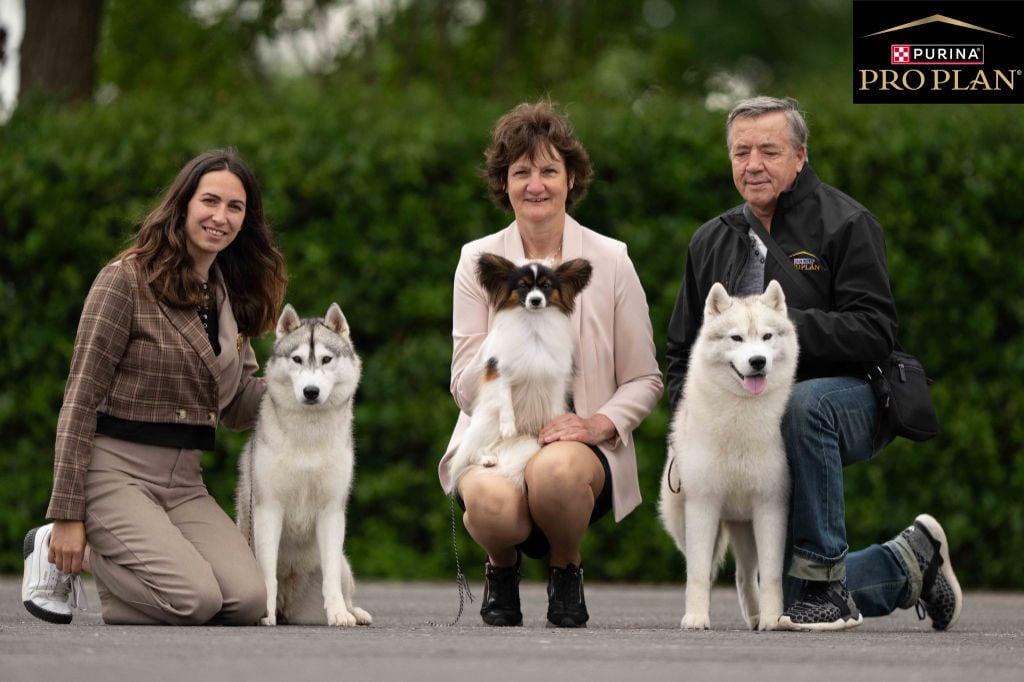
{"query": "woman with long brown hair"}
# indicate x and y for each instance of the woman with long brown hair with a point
(162, 355)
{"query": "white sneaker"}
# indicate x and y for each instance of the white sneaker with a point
(47, 593)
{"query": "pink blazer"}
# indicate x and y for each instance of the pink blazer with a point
(617, 372)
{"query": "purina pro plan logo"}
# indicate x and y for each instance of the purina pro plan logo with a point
(916, 52)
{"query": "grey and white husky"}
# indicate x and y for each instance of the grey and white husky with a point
(726, 480)
(296, 472)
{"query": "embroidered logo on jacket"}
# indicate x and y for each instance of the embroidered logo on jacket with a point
(806, 261)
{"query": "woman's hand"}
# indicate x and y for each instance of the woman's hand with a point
(569, 426)
(67, 546)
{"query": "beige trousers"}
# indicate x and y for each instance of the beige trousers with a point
(162, 549)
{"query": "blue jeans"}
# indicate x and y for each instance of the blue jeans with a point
(828, 425)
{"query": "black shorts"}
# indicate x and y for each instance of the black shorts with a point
(536, 546)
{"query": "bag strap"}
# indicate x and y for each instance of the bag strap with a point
(788, 269)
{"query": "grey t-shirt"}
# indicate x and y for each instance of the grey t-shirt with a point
(752, 278)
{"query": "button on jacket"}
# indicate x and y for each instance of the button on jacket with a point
(139, 359)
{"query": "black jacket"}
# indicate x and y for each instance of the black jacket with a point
(838, 247)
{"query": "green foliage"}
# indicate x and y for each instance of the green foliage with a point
(373, 194)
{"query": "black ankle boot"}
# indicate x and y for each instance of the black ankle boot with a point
(567, 608)
(501, 594)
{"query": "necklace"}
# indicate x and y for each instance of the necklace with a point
(557, 253)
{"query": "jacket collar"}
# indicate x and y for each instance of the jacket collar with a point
(805, 184)
(186, 321)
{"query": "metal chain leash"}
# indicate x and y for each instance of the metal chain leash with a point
(460, 578)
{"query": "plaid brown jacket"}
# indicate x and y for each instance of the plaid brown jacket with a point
(137, 358)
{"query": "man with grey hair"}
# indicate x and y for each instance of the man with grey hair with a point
(828, 253)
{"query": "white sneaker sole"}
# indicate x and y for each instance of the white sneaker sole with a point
(935, 529)
(835, 626)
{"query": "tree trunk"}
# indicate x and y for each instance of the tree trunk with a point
(58, 51)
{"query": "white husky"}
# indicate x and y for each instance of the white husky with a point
(726, 480)
(296, 472)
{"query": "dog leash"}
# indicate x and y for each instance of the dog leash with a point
(460, 577)
(668, 476)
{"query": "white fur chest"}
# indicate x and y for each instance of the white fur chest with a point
(735, 458)
(534, 354)
(531, 345)
(304, 469)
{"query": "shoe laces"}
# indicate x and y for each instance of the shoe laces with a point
(67, 587)
(817, 593)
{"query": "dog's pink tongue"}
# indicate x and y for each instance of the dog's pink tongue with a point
(754, 385)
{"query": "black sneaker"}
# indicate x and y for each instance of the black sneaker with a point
(822, 606)
(501, 594)
(567, 608)
(941, 597)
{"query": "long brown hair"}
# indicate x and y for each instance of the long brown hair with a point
(252, 266)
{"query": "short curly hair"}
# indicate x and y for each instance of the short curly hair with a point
(529, 129)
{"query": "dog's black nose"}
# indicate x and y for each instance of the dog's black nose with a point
(311, 393)
(757, 362)
(535, 301)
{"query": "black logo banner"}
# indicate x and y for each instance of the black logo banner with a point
(923, 52)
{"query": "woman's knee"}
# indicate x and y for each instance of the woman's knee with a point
(245, 595)
(196, 603)
(493, 502)
(563, 468)
(248, 603)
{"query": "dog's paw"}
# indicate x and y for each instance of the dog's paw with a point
(340, 618)
(693, 621)
(753, 621)
(508, 430)
(362, 617)
(488, 461)
(770, 622)
(268, 620)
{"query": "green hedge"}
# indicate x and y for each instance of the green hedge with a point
(373, 195)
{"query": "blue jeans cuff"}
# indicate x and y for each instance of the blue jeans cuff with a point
(814, 569)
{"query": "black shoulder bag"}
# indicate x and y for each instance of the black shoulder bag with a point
(900, 383)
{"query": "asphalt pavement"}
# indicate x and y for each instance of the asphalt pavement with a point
(633, 635)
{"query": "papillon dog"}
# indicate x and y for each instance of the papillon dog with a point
(526, 363)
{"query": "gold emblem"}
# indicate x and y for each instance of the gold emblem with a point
(239, 343)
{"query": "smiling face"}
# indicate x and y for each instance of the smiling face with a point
(537, 188)
(214, 217)
(765, 162)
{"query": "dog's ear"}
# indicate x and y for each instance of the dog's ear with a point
(335, 320)
(718, 301)
(288, 322)
(573, 277)
(774, 298)
(495, 276)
